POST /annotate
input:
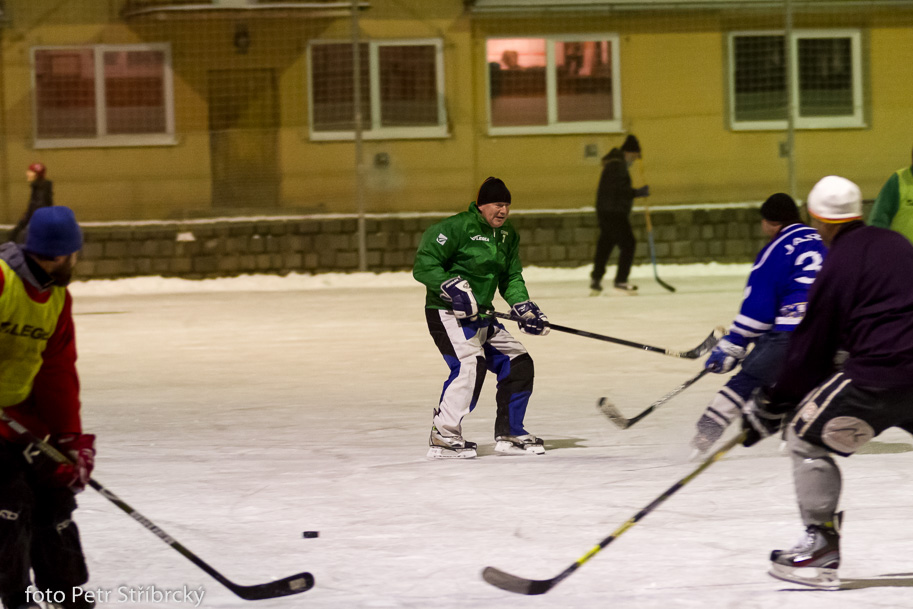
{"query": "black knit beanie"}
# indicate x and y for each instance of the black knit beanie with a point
(631, 144)
(780, 208)
(492, 190)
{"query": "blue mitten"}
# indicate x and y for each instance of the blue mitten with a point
(458, 293)
(727, 353)
(530, 318)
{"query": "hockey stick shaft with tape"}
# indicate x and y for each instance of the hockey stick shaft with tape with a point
(521, 585)
(694, 353)
(611, 411)
(294, 584)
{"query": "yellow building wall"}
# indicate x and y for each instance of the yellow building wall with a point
(674, 98)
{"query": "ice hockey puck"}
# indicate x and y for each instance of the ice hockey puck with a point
(310, 534)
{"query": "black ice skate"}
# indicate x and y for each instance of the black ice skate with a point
(449, 447)
(519, 445)
(19, 600)
(627, 288)
(813, 561)
(595, 287)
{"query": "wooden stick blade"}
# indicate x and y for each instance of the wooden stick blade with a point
(517, 585)
(612, 413)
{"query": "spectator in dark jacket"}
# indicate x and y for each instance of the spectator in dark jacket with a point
(42, 195)
(614, 200)
(860, 303)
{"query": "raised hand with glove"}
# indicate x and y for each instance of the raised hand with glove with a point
(763, 416)
(458, 293)
(730, 351)
(530, 318)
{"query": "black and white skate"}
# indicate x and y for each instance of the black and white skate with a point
(595, 288)
(519, 445)
(449, 447)
(624, 286)
(812, 562)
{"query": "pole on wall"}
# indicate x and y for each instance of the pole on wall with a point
(359, 155)
(791, 92)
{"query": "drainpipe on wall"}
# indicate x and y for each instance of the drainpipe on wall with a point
(359, 160)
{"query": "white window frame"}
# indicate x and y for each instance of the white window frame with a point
(102, 138)
(551, 89)
(855, 120)
(373, 130)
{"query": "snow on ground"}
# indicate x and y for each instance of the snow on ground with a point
(238, 413)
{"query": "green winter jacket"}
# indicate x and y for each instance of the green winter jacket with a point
(894, 205)
(466, 245)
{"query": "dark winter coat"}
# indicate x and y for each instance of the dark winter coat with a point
(42, 196)
(615, 194)
(861, 302)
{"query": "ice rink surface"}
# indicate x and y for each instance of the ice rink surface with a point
(238, 415)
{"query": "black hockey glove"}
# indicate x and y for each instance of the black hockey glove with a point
(762, 416)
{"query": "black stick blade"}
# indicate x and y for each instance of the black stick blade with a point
(708, 344)
(294, 584)
(612, 413)
(664, 284)
(517, 585)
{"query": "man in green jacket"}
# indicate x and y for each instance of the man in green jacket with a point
(462, 260)
(894, 205)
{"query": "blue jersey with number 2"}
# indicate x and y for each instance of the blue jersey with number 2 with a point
(776, 295)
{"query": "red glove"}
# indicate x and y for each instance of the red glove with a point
(80, 449)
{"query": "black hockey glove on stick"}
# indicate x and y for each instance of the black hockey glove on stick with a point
(608, 408)
(294, 584)
(520, 585)
(695, 353)
(763, 416)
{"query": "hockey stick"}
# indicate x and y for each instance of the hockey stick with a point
(521, 585)
(608, 408)
(695, 353)
(652, 245)
(653, 250)
(294, 584)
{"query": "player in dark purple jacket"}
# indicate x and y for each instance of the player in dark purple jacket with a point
(861, 303)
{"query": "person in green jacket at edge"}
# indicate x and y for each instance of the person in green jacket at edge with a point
(462, 260)
(894, 205)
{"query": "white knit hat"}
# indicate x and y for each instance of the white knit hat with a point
(834, 200)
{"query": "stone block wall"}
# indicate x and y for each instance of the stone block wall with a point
(314, 244)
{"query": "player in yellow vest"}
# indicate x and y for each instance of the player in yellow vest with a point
(39, 388)
(894, 205)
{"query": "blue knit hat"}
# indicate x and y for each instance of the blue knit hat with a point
(53, 231)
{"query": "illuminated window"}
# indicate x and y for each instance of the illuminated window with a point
(566, 84)
(103, 96)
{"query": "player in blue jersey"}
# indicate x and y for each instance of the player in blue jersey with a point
(774, 303)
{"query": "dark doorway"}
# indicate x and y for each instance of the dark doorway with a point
(244, 138)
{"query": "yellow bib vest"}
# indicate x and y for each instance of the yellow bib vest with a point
(903, 219)
(25, 327)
